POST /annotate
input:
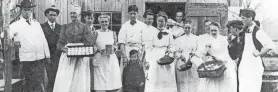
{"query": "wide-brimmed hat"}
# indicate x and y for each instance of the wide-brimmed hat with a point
(52, 8)
(26, 4)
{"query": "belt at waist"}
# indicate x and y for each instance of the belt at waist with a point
(134, 44)
(160, 46)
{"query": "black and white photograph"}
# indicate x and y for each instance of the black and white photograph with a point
(138, 46)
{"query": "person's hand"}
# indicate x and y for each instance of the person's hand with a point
(147, 65)
(125, 61)
(65, 49)
(256, 53)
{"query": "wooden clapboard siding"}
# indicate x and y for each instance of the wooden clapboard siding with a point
(97, 5)
(109, 5)
(118, 5)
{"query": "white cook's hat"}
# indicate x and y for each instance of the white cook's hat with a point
(75, 8)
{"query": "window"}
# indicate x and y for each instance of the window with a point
(115, 21)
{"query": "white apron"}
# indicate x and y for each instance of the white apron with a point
(73, 75)
(107, 75)
(250, 70)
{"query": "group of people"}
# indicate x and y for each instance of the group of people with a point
(43, 53)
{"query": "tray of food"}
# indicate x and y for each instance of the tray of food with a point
(80, 51)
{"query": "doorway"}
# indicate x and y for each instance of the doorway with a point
(169, 8)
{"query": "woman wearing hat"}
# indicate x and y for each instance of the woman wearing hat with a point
(74, 72)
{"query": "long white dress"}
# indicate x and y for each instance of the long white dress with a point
(107, 75)
(228, 82)
(149, 34)
(250, 70)
(187, 81)
(73, 72)
(162, 77)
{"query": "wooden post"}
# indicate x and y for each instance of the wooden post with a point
(7, 45)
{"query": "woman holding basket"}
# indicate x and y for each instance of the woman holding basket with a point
(162, 73)
(107, 75)
(187, 76)
(217, 47)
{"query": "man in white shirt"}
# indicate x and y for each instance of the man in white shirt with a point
(130, 34)
(176, 28)
(255, 44)
(33, 51)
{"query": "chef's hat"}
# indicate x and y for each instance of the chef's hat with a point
(75, 8)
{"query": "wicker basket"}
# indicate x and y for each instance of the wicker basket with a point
(80, 51)
(217, 71)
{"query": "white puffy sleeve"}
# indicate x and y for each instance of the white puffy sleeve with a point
(265, 40)
(122, 34)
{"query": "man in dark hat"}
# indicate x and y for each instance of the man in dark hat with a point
(255, 44)
(51, 31)
(33, 51)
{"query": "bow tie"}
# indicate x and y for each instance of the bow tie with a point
(160, 34)
(132, 22)
(247, 30)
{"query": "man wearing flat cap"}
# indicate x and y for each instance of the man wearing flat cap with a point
(51, 31)
(33, 51)
(255, 44)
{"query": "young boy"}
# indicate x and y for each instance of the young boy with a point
(133, 74)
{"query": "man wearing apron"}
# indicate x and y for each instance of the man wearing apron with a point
(255, 43)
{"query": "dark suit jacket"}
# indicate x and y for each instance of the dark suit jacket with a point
(52, 38)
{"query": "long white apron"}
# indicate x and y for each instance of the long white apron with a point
(250, 69)
(73, 75)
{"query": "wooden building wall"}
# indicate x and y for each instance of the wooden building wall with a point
(105, 5)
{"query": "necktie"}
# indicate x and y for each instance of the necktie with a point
(52, 27)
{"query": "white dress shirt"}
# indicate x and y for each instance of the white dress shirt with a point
(131, 33)
(262, 37)
(33, 42)
(52, 25)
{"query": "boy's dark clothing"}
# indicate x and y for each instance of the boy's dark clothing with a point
(133, 78)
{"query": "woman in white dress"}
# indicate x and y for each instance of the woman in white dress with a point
(107, 75)
(162, 76)
(187, 81)
(73, 73)
(219, 49)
